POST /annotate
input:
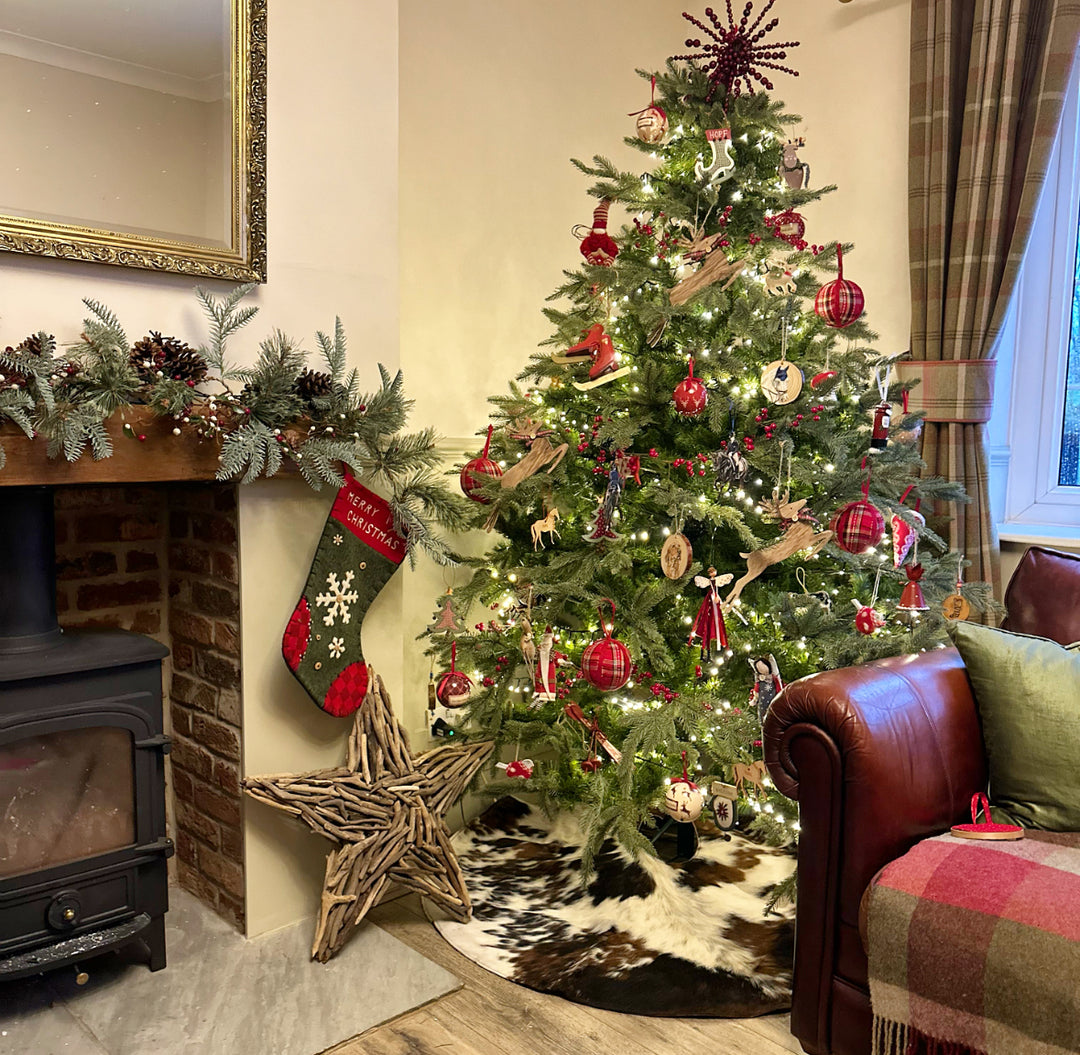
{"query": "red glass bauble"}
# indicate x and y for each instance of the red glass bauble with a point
(690, 395)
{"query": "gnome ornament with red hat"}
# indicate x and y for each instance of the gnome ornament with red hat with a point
(598, 247)
(358, 552)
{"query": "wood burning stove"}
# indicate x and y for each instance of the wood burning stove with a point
(83, 847)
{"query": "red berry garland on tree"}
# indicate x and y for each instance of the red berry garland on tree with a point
(737, 53)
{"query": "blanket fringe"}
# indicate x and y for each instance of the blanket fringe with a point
(899, 1038)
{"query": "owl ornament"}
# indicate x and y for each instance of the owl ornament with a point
(683, 799)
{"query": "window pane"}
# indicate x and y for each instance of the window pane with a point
(64, 796)
(1069, 475)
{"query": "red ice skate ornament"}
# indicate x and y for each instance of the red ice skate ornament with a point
(839, 302)
(597, 348)
(738, 52)
(598, 247)
(475, 472)
(690, 394)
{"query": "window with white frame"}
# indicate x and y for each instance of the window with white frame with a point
(1035, 431)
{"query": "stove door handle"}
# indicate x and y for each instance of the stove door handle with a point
(159, 742)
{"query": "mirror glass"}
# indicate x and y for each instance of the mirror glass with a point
(129, 119)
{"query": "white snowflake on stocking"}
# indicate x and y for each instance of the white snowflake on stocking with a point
(338, 540)
(338, 598)
(337, 647)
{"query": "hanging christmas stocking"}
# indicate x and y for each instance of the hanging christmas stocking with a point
(358, 552)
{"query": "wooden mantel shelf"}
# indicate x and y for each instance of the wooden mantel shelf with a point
(162, 458)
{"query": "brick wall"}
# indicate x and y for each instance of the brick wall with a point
(163, 561)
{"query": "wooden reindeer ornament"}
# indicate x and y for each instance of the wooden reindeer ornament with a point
(715, 268)
(800, 533)
(540, 453)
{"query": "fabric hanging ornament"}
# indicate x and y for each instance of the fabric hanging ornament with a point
(767, 683)
(652, 122)
(911, 597)
(475, 473)
(905, 534)
(597, 740)
(683, 799)
(789, 226)
(454, 687)
(954, 606)
(357, 553)
(709, 626)
(721, 166)
(446, 620)
(859, 526)
(781, 380)
(868, 620)
(839, 302)
(606, 664)
(729, 463)
(907, 435)
(520, 767)
(690, 395)
(879, 433)
(598, 247)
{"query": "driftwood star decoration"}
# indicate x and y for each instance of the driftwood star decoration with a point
(385, 809)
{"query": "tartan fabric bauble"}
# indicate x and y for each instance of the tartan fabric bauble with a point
(839, 302)
(454, 689)
(347, 691)
(605, 664)
(475, 473)
(297, 635)
(858, 526)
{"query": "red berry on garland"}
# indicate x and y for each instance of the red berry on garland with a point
(839, 302)
(690, 395)
(474, 472)
(606, 664)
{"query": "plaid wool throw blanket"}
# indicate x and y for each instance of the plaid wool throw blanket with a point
(974, 948)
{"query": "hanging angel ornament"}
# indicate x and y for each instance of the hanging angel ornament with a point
(709, 625)
(767, 683)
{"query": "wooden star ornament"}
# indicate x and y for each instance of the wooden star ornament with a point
(385, 810)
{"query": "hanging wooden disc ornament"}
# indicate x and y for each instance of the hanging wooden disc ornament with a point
(676, 555)
(475, 473)
(454, 688)
(605, 664)
(782, 380)
(839, 302)
(954, 606)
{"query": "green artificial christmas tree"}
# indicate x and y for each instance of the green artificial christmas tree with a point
(694, 485)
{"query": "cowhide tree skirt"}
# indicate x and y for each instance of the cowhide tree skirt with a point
(689, 938)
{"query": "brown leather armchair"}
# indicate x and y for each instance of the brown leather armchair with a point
(880, 756)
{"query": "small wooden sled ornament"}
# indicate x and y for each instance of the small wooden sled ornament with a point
(988, 829)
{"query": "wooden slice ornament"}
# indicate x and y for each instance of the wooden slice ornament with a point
(954, 606)
(676, 555)
(782, 380)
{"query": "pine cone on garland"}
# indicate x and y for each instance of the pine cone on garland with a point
(168, 356)
(312, 385)
(9, 376)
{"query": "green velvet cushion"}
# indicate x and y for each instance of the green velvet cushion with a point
(1028, 693)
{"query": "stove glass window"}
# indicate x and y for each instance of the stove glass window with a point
(65, 796)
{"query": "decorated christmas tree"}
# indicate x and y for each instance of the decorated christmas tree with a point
(707, 486)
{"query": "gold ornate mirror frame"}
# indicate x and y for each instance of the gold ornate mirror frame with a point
(245, 258)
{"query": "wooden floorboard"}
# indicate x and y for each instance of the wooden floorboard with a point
(491, 1016)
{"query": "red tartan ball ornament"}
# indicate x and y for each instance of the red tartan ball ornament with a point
(476, 472)
(690, 395)
(297, 635)
(606, 664)
(347, 691)
(839, 302)
(858, 526)
(454, 688)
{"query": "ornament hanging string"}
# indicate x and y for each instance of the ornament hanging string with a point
(685, 774)
(918, 501)
(960, 574)
(608, 631)
(866, 483)
(883, 384)
(877, 586)
(652, 100)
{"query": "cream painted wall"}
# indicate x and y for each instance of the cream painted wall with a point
(332, 106)
(495, 102)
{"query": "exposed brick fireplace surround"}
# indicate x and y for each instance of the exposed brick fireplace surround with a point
(162, 560)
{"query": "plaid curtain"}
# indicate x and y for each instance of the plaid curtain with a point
(988, 79)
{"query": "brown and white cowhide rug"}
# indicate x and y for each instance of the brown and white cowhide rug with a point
(645, 937)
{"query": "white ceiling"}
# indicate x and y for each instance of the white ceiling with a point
(185, 38)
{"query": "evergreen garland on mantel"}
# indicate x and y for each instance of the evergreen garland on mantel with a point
(275, 411)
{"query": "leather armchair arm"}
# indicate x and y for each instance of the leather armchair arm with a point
(878, 756)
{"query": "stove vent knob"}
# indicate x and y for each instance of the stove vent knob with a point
(64, 910)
